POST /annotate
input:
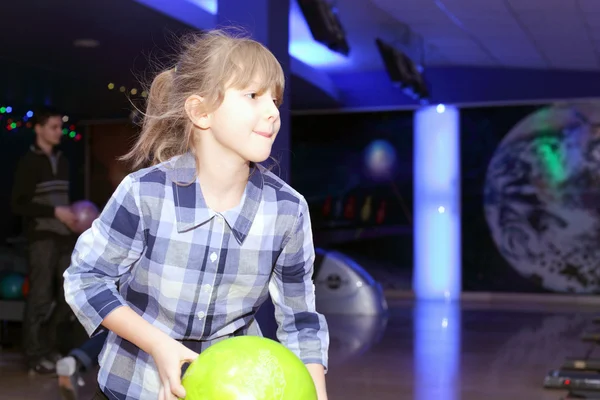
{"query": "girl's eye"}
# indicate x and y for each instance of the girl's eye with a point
(252, 95)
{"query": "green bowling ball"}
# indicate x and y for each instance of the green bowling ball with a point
(248, 368)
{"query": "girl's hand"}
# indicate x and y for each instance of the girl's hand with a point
(169, 356)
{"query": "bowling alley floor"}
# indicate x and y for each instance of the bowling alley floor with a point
(424, 351)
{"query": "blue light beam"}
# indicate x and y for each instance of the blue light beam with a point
(437, 232)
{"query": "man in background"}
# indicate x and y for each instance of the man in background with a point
(41, 197)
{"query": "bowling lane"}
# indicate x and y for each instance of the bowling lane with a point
(423, 351)
(440, 351)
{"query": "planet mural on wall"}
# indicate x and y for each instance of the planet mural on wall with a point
(542, 197)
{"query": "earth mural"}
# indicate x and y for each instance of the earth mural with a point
(542, 197)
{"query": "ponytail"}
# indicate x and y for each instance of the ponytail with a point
(160, 137)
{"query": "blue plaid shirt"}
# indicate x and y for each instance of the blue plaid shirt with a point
(196, 274)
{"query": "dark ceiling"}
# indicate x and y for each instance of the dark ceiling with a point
(41, 65)
(39, 62)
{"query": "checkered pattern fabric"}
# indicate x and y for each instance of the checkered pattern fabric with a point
(196, 274)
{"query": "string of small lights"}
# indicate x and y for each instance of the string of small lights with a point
(12, 121)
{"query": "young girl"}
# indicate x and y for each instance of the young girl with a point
(187, 250)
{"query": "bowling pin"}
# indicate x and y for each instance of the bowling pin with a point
(349, 209)
(365, 212)
(381, 212)
(327, 206)
(339, 206)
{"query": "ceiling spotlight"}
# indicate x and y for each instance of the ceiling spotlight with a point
(86, 43)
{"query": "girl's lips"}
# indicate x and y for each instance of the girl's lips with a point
(265, 134)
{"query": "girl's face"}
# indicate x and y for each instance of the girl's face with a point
(246, 123)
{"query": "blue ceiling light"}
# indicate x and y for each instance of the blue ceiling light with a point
(210, 6)
(302, 45)
(305, 48)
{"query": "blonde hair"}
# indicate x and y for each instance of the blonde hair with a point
(209, 64)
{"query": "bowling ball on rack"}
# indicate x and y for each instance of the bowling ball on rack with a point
(86, 212)
(11, 286)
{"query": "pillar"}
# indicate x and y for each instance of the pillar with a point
(437, 222)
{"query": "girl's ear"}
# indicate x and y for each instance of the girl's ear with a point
(194, 108)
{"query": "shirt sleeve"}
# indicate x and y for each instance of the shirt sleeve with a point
(24, 190)
(300, 327)
(102, 255)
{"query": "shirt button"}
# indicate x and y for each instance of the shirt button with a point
(206, 288)
(213, 257)
(201, 315)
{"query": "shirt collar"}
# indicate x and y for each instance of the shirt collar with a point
(38, 150)
(191, 209)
